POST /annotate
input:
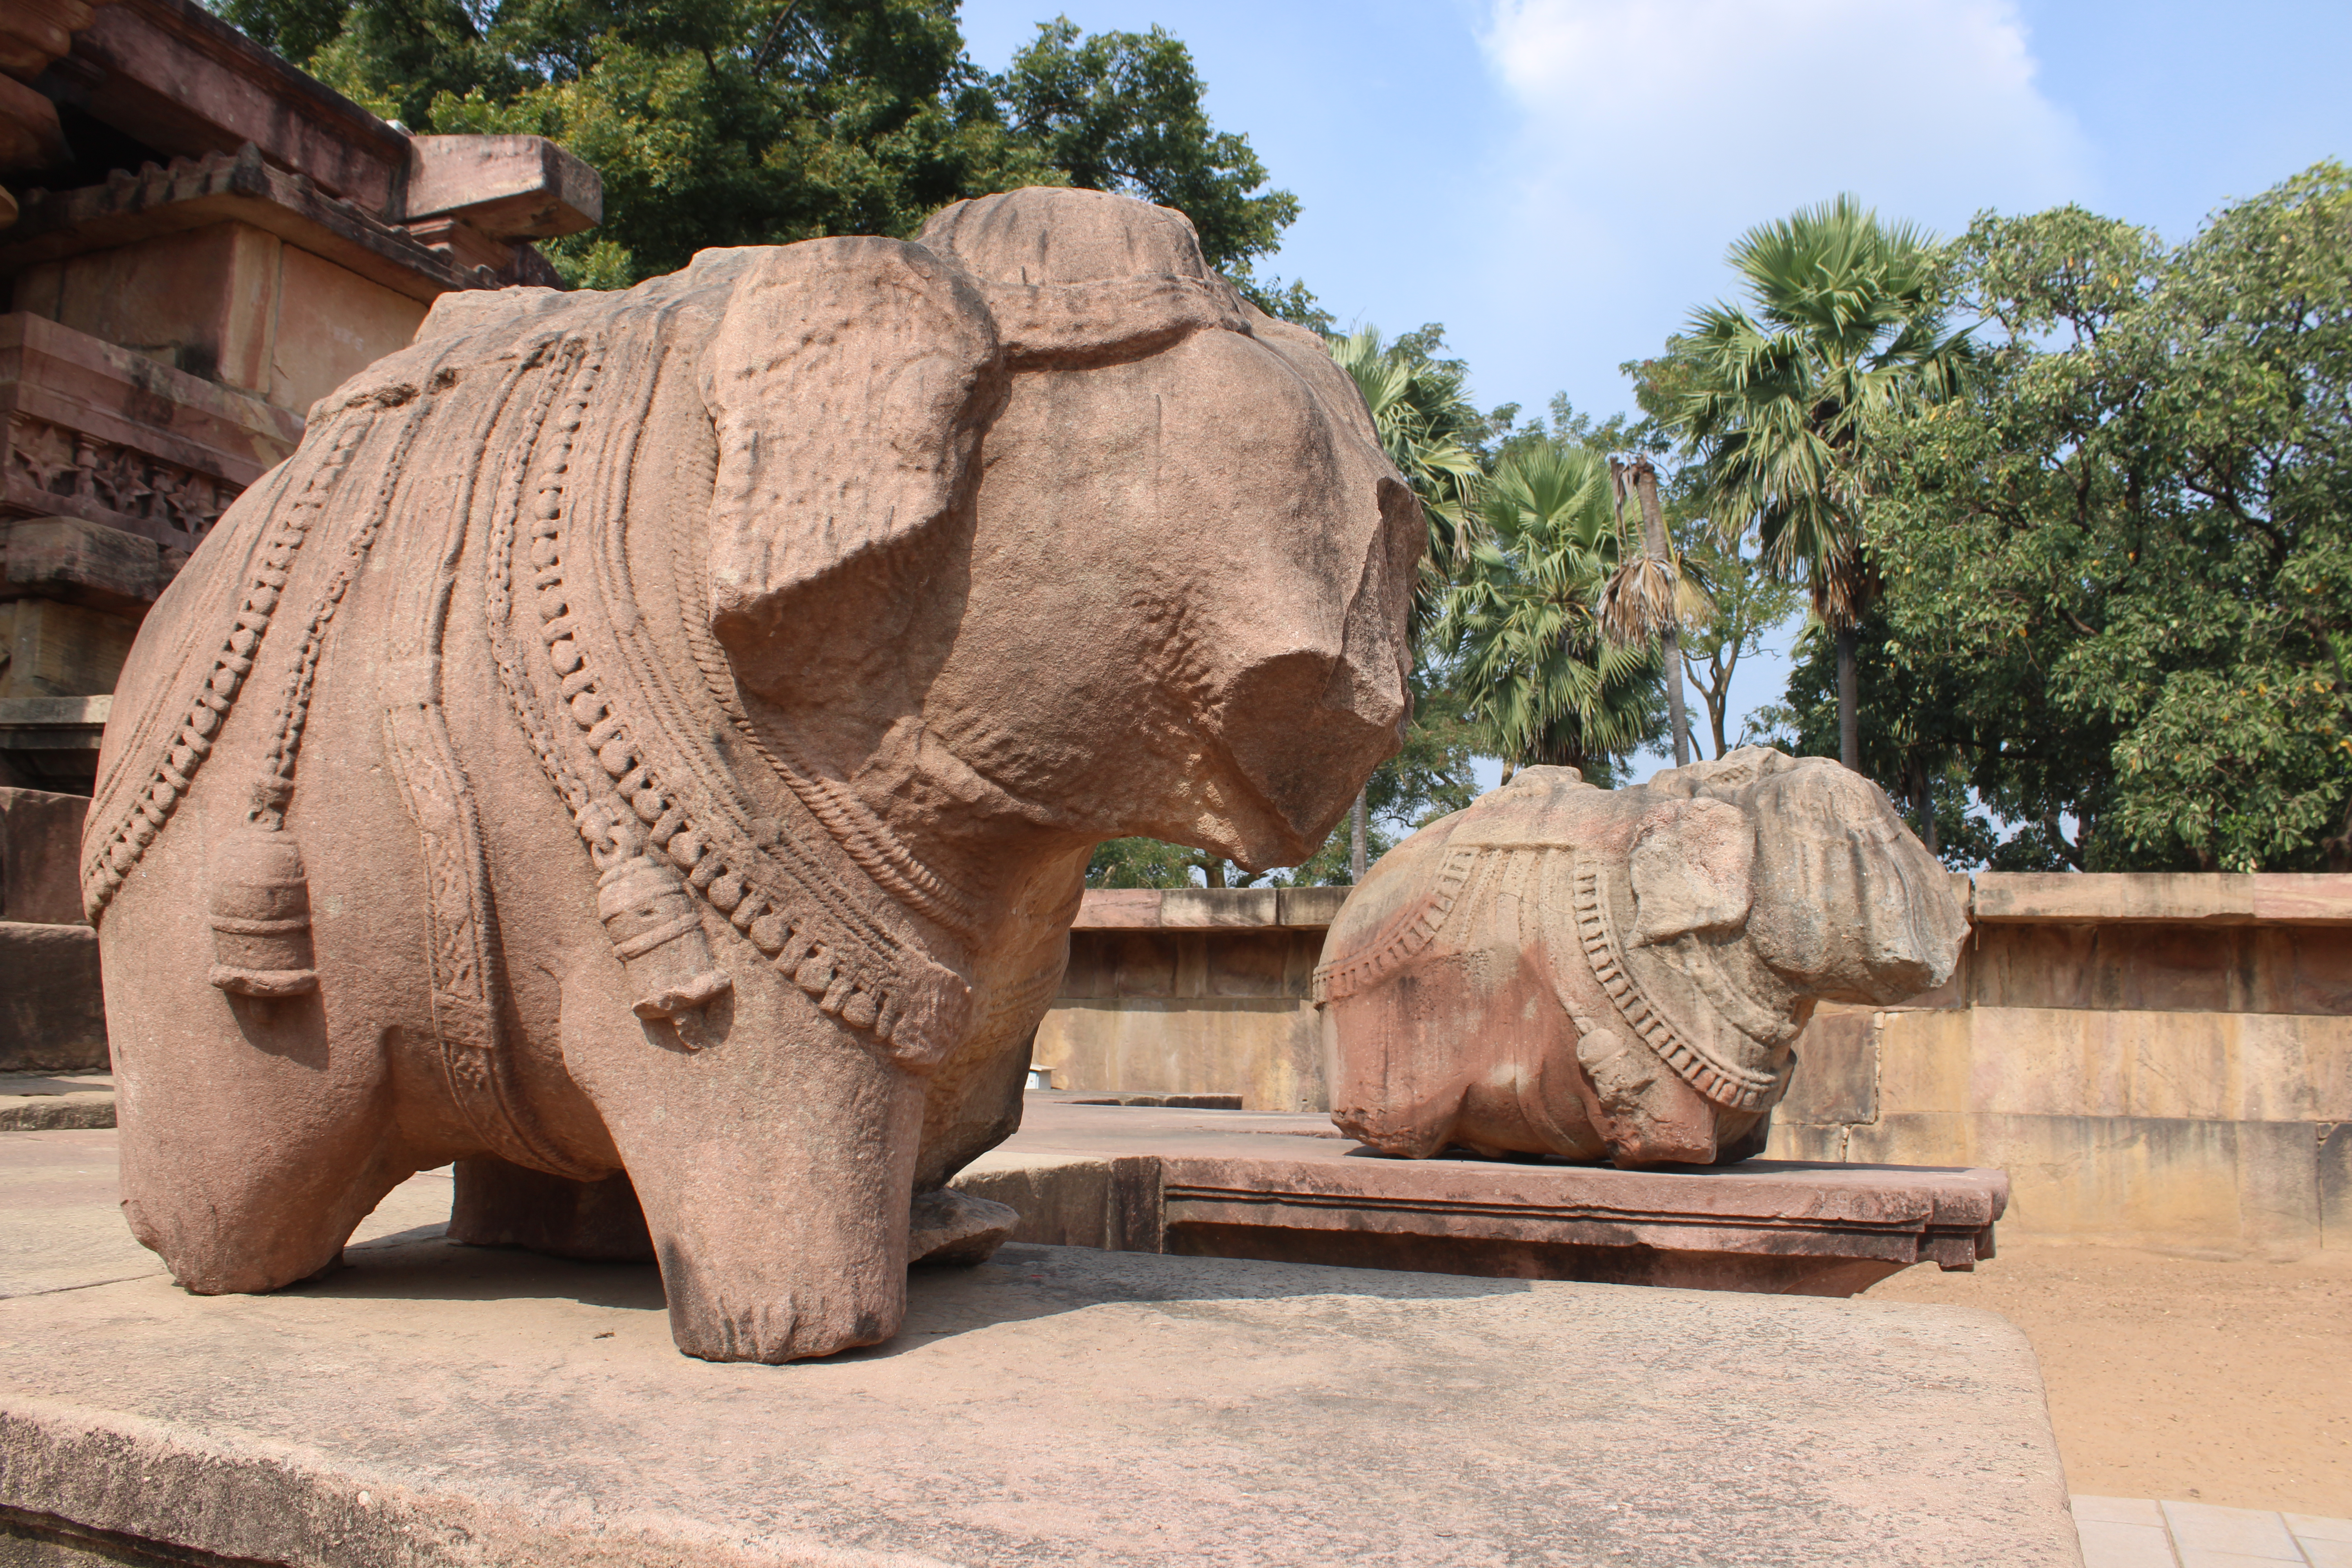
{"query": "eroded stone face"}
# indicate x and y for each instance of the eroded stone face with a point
(663, 733)
(1587, 973)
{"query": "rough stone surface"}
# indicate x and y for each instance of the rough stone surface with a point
(1283, 1188)
(664, 732)
(1567, 970)
(105, 433)
(40, 840)
(434, 1404)
(508, 187)
(87, 563)
(1168, 1009)
(48, 744)
(52, 1012)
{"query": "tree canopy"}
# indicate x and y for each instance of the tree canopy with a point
(763, 121)
(2120, 566)
(1844, 320)
(1542, 677)
(2079, 500)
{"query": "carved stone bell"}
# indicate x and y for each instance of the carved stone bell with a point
(260, 907)
(656, 929)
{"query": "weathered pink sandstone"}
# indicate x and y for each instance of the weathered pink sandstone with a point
(665, 731)
(1571, 971)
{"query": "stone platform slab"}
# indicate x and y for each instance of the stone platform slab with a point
(434, 1404)
(1290, 1188)
(38, 1102)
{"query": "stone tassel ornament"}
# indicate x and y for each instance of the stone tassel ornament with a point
(260, 911)
(656, 929)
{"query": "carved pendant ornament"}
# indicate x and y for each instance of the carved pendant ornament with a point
(661, 816)
(608, 738)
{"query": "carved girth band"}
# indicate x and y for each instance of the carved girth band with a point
(461, 919)
(1404, 935)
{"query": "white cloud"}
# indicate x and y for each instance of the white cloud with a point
(1760, 104)
(1649, 132)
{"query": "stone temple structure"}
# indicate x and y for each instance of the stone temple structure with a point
(197, 241)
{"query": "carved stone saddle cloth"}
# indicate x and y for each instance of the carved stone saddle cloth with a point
(519, 433)
(1676, 1000)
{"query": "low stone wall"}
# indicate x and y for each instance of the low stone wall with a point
(2155, 1059)
(2158, 1060)
(1194, 992)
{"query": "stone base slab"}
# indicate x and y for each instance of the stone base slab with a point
(35, 1102)
(434, 1404)
(1288, 1188)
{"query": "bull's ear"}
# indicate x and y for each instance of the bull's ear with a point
(1693, 869)
(848, 381)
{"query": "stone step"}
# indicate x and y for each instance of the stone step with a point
(40, 1102)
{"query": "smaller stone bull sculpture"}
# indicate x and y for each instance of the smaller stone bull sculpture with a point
(1573, 971)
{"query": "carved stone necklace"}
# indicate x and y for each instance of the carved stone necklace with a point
(805, 876)
(1707, 1055)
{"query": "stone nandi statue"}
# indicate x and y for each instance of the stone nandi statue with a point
(1586, 973)
(664, 732)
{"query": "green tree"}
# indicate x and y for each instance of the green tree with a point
(1909, 737)
(2122, 561)
(1776, 400)
(1747, 605)
(1425, 425)
(762, 122)
(1541, 677)
(1650, 594)
(1424, 420)
(1121, 111)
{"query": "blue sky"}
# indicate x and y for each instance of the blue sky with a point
(1555, 179)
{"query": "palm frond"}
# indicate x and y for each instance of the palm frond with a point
(1844, 320)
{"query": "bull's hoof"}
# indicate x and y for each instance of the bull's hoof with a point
(950, 1226)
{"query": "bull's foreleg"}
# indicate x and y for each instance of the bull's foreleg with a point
(774, 1161)
(253, 1143)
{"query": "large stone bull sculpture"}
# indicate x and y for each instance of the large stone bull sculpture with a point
(664, 732)
(1569, 971)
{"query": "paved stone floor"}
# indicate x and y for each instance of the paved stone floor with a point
(2132, 1532)
(2116, 1532)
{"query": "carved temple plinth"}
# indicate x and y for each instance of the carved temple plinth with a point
(1286, 1188)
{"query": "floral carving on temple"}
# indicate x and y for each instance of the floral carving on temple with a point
(108, 483)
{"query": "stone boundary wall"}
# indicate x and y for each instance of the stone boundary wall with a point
(2161, 1061)
(1193, 991)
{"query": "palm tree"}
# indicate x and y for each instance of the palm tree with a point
(1544, 677)
(1847, 321)
(1424, 422)
(1650, 594)
(1425, 425)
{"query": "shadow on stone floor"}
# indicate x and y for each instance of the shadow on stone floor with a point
(422, 1265)
(1020, 1284)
